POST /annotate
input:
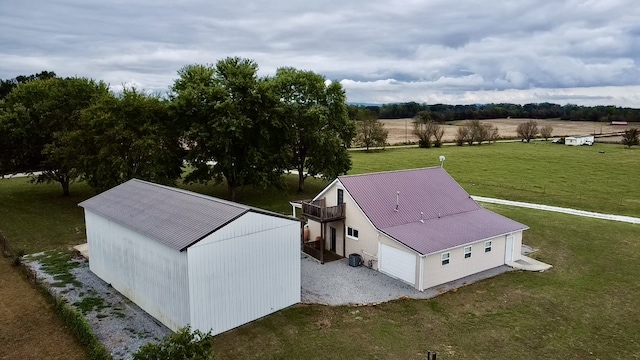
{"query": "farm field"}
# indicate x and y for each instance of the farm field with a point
(400, 130)
(585, 307)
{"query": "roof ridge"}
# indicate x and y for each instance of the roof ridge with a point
(431, 218)
(392, 171)
(194, 194)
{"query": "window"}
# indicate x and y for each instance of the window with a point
(340, 196)
(467, 252)
(487, 246)
(352, 233)
(445, 258)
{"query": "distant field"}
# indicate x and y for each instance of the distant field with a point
(400, 130)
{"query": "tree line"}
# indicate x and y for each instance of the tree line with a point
(218, 123)
(444, 112)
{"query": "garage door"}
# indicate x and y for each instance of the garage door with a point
(397, 263)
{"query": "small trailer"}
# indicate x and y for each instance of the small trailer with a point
(579, 140)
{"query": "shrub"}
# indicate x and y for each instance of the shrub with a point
(183, 344)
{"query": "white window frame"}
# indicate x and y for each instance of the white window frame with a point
(445, 258)
(487, 246)
(352, 230)
(467, 252)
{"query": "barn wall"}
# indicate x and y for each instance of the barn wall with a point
(152, 275)
(246, 270)
(434, 273)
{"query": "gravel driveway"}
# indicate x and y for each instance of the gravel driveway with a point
(337, 283)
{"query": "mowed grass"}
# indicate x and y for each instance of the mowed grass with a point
(601, 178)
(29, 328)
(583, 308)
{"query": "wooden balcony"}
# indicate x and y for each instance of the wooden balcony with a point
(318, 211)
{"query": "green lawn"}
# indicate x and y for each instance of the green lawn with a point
(580, 177)
(585, 307)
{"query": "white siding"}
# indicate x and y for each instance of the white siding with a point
(246, 270)
(152, 275)
(434, 273)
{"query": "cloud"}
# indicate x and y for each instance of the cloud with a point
(380, 50)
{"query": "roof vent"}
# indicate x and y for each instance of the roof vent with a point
(421, 217)
(397, 201)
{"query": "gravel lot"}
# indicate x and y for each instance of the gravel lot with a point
(123, 327)
(337, 283)
(117, 322)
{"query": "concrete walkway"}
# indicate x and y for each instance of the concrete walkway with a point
(528, 264)
(595, 215)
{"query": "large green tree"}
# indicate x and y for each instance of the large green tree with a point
(36, 119)
(234, 131)
(6, 86)
(127, 136)
(319, 127)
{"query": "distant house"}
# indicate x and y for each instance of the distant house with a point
(190, 259)
(619, 123)
(418, 226)
(579, 140)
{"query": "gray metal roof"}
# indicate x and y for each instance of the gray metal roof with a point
(174, 217)
(450, 218)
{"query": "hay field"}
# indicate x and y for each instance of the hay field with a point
(400, 130)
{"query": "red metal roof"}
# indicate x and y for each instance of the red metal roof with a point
(450, 218)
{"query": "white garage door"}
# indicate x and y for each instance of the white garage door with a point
(397, 263)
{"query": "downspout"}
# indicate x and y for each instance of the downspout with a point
(421, 277)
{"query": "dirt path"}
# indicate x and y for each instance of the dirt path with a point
(29, 328)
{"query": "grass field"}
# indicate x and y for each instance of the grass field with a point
(585, 307)
(29, 328)
(571, 176)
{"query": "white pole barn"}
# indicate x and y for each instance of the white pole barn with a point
(190, 259)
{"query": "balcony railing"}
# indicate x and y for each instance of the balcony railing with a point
(318, 211)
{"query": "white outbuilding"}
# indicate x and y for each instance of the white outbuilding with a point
(191, 259)
(579, 140)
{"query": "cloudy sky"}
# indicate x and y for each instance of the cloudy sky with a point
(435, 51)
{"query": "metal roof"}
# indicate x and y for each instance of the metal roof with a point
(434, 212)
(174, 217)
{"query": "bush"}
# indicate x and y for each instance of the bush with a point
(81, 328)
(184, 344)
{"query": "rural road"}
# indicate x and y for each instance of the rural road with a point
(595, 215)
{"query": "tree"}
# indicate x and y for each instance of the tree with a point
(234, 131)
(184, 344)
(370, 130)
(492, 133)
(424, 127)
(125, 137)
(6, 86)
(36, 119)
(479, 132)
(319, 127)
(546, 131)
(438, 135)
(631, 137)
(463, 134)
(527, 130)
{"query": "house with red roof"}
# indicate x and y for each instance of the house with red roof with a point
(419, 226)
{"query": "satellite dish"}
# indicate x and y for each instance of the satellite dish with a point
(441, 160)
